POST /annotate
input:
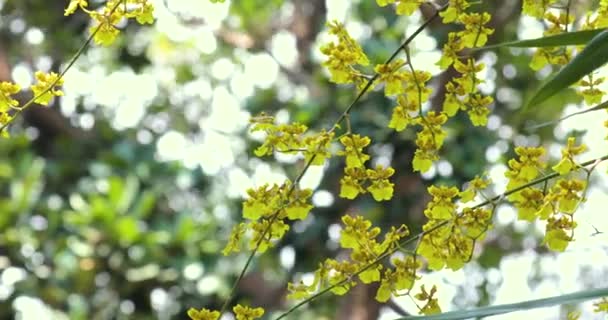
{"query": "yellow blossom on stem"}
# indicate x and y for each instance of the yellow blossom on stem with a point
(236, 236)
(450, 51)
(431, 305)
(351, 182)
(536, 8)
(381, 188)
(525, 168)
(468, 79)
(404, 7)
(318, 146)
(475, 33)
(392, 77)
(415, 87)
(73, 5)
(277, 231)
(338, 272)
(442, 205)
(105, 26)
(557, 24)
(474, 222)
(568, 193)
(452, 104)
(455, 10)
(589, 90)
(431, 129)
(558, 233)
(7, 89)
(46, 87)
(343, 55)
(473, 188)
(353, 150)
(402, 114)
(478, 108)
(531, 204)
(203, 314)
(550, 55)
(247, 313)
(401, 278)
(567, 162)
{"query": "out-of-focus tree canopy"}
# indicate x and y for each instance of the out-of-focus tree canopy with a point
(117, 199)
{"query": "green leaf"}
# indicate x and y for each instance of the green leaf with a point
(593, 56)
(558, 40)
(506, 308)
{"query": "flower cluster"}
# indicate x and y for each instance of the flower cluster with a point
(588, 89)
(449, 237)
(268, 209)
(556, 204)
(343, 56)
(241, 313)
(360, 237)
(357, 179)
(431, 304)
(107, 17)
(524, 169)
(45, 88)
(292, 139)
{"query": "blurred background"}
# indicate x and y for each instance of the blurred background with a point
(116, 200)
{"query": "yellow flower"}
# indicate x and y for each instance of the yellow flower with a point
(234, 244)
(407, 7)
(7, 89)
(353, 150)
(390, 74)
(475, 33)
(468, 79)
(73, 5)
(455, 9)
(536, 8)
(431, 306)
(450, 51)
(343, 55)
(402, 113)
(380, 188)
(203, 314)
(247, 313)
(568, 194)
(478, 108)
(474, 186)
(556, 237)
(442, 206)
(567, 163)
(46, 87)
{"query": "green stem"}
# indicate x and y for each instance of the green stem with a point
(421, 234)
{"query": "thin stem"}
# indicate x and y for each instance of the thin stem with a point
(341, 118)
(421, 234)
(62, 74)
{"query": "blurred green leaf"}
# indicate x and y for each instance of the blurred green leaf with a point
(506, 308)
(562, 39)
(593, 56)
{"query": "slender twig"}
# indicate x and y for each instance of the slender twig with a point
(71, 63)
(341, 118)
(600, 106)
(430, 230)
